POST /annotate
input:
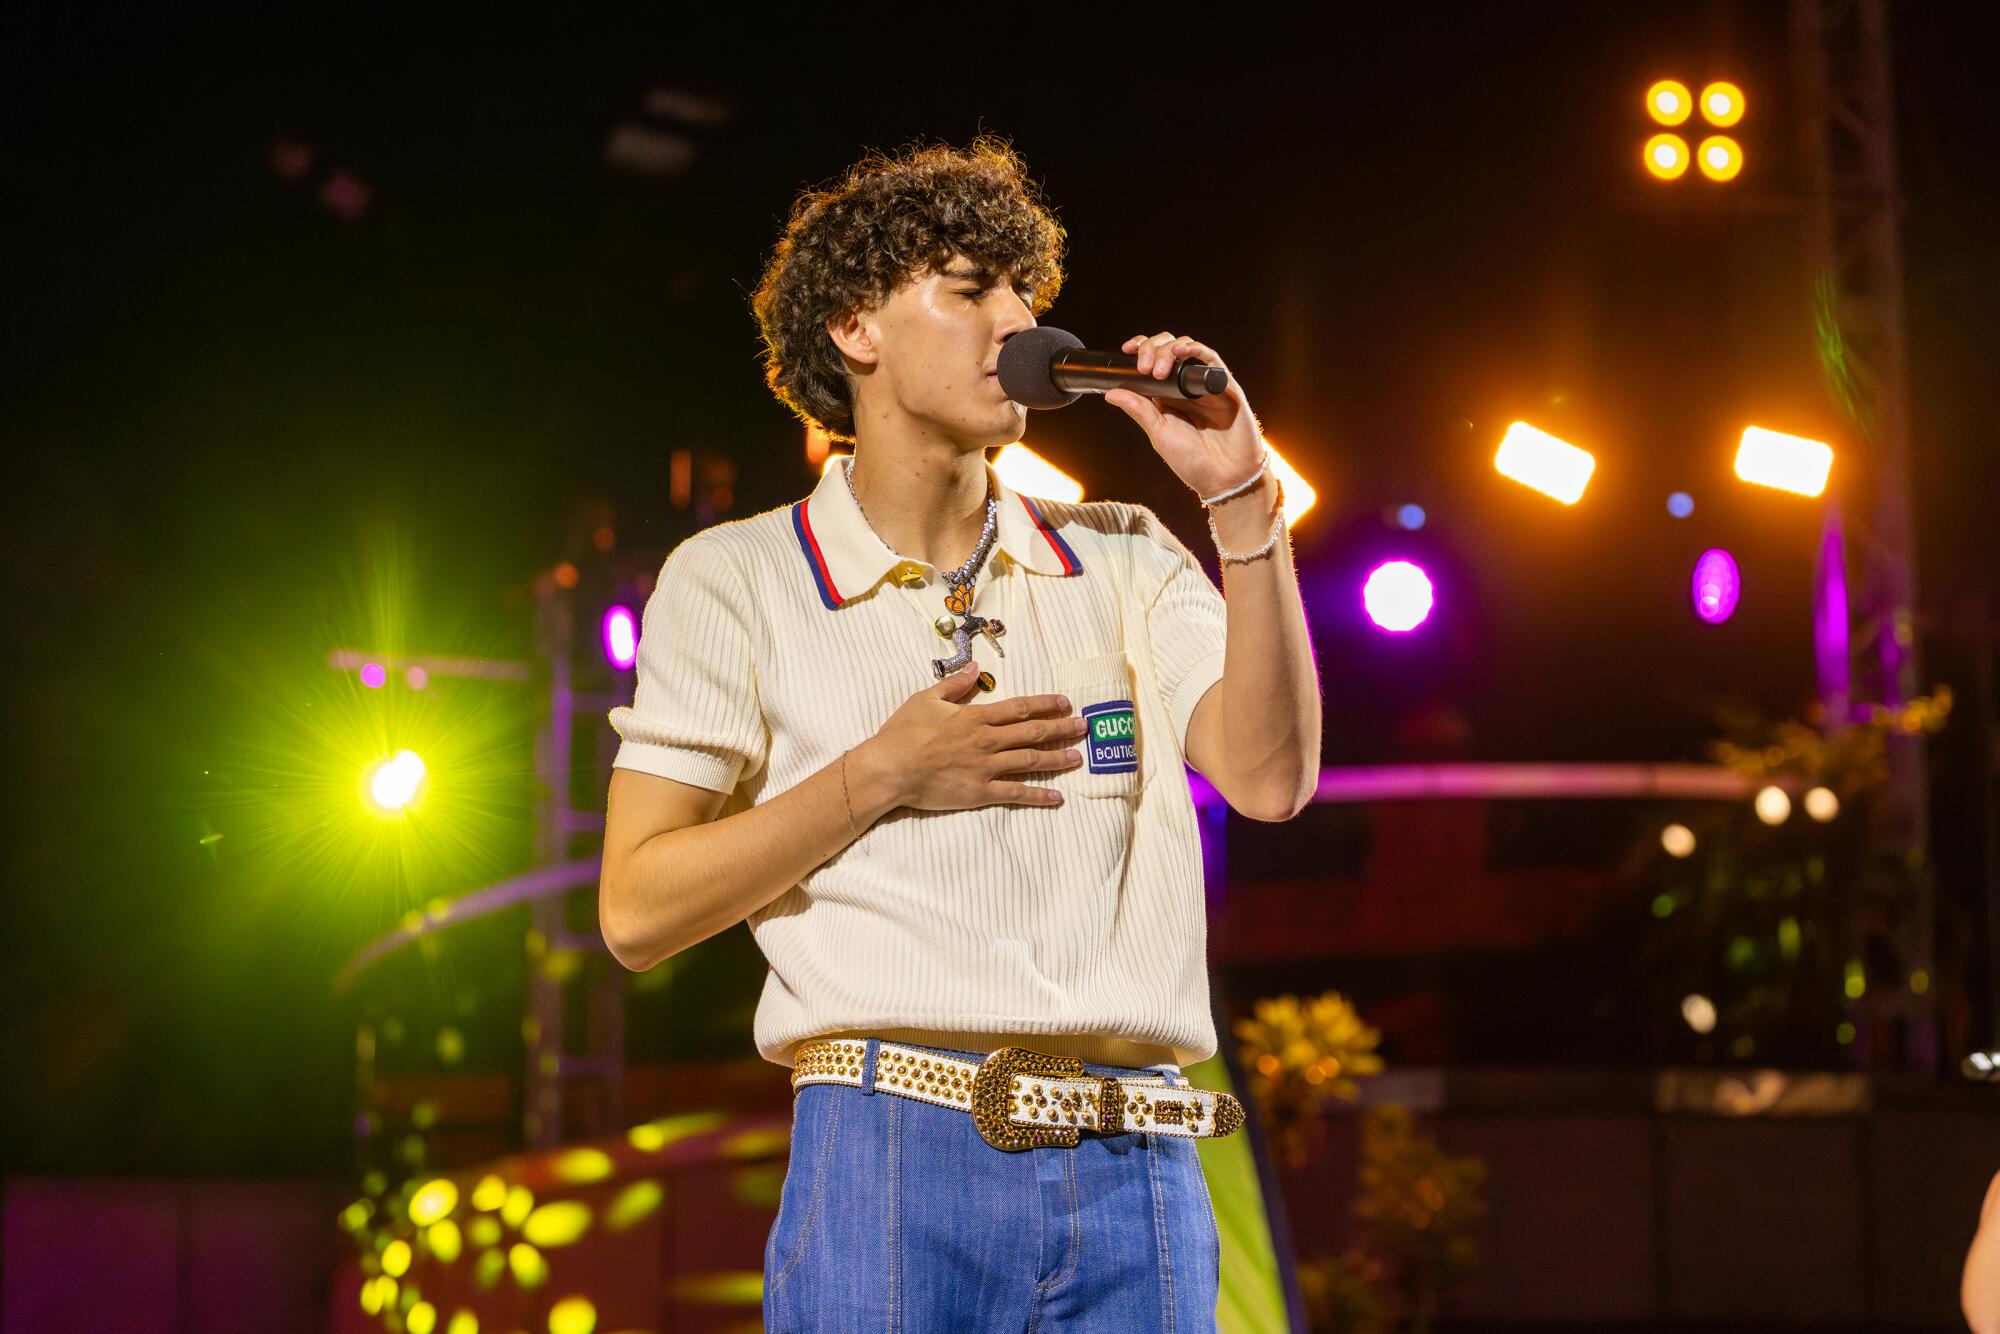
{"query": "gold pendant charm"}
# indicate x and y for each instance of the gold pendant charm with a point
(986, 681)
(944, 625)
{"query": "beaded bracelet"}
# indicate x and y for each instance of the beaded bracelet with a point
(1277, 531)
(1263, 466)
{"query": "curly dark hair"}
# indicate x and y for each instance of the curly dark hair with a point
(891, 219)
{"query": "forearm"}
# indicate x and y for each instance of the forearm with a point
(1269, 692)
(679, 888)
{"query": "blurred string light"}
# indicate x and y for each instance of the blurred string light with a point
(1699, 1012)
(621, 637)
(1678, 840)
(1398, 596)
(1680, 504)
(1539, 460)
(1786, 462)
(1717, 586)
(1773, 807)
(1821, 804)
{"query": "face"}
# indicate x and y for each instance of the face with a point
(934, 346)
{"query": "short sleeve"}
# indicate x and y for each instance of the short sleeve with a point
(1187, 626)
(695, 715)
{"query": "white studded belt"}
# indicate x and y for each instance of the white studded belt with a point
(1022, 1099)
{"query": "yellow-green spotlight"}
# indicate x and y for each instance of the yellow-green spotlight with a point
(1787, 462)
(1667, 156)
(1720, 157)
(394, 784)
(1537, 459)
(1668, 102)
(1032, 475)
(1722, 104)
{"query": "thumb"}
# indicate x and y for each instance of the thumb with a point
(1136, 406)
(958, 682)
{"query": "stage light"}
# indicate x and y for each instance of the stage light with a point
(393, 784)
(1300, 495)
(1821, 804)
(1537, 459)
(1680, 504)
(1720, 157)
(1678, 840)
(1773, 807)
(819, 445)
(417, 677)
(1668, 102)
(373, 674)
(1722, 104)
(1410, 517)
(1032, 475)
(1398, 596)
(621, 637)
(1717, 586)
(1786, 462)
(1666, 156)
(1699, 1011)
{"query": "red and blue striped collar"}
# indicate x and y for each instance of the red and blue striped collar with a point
(845, 559)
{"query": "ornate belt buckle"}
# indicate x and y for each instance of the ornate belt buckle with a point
(993, 1098)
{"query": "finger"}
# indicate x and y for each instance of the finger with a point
(1138, 407)
(1034, 761)
(1021, 708)
(1036, 735)
(1162, 360)
(1020, 794)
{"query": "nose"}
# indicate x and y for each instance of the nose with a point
(1017, 317)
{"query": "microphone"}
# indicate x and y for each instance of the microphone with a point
(1050, 368)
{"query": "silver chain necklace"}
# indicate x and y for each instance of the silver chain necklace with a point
(958, 594)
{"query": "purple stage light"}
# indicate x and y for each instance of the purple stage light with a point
(373, 674)
(1398, 596)
(1717, 586)
(621, 638)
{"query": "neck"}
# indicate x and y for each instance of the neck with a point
(927, 502)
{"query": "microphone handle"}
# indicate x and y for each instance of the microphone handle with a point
(1081, 371)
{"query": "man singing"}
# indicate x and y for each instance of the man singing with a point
(927, 735)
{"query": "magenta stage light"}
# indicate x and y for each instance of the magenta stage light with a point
(1717, 586)
(621, 638)
(373, 674)
(1398, 596)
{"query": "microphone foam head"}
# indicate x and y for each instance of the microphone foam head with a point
(1024, 367)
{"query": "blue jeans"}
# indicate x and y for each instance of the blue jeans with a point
(897, 1216)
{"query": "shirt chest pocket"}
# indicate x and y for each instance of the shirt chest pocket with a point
(1100, 689)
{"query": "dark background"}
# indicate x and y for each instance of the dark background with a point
(1404, 230)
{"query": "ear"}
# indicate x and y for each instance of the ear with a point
(854, 334)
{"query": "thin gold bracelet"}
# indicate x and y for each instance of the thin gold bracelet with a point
(845, 800)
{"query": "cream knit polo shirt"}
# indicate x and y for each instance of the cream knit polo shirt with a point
(772, 644)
